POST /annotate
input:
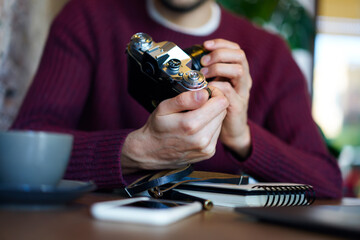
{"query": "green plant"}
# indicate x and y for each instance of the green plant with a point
(287, 17)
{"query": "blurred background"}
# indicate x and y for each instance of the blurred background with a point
(324, 36)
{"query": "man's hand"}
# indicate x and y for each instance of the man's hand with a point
(181, 130)
(227, 62)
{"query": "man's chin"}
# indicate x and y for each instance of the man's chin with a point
(181, 9)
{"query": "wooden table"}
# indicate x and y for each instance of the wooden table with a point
(75, 222)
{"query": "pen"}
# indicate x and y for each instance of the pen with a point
(175, 195)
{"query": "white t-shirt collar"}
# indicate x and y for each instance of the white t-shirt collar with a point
(204, 30)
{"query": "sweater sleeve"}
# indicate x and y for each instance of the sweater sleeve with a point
(58, 96)
(289, 147)
(286, 144)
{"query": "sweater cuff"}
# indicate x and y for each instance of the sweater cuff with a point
(261, 159)
(98, 158)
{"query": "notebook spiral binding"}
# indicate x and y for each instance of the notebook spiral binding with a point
(287, 195)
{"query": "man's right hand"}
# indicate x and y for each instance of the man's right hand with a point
(181, 130)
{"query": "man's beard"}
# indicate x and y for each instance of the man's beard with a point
(181, 9)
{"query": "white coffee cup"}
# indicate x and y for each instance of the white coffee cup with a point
(33, 158)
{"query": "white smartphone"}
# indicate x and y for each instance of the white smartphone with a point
(144, 210)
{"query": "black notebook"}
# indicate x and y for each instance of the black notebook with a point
(251, 195)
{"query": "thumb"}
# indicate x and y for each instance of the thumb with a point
(185, 101)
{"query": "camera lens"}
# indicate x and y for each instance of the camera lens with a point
(196, 52)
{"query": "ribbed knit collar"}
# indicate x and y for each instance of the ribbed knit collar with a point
(204, 30)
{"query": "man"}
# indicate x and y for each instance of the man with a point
(257, 121)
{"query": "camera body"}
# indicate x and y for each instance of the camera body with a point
(158, 71)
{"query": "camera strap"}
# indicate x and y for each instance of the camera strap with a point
(159, 183)
(155, 180)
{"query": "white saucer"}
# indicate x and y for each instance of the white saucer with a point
(64, 192)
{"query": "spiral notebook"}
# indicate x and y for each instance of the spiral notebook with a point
(251, 195)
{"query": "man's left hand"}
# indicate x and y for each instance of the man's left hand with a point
(228, 64)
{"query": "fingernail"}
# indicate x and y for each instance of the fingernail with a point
(204, 71)
(209, 43)
(206, 59)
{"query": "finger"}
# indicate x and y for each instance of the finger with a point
(194, 149)
(225, 88)
(233, 72)
(215, 137)
(189, 100)
(220, 43)
(202, 140)
(215, 129)
(225, 55)
(191, 122)
(208, 150)
(230, 93)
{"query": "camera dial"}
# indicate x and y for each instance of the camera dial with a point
(194, 80)
(174, 65)
(141, 41)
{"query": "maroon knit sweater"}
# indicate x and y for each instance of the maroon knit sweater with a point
(81, 88)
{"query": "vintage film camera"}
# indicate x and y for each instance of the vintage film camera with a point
(158, 71)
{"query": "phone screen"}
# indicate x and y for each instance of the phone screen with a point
(154, 204)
